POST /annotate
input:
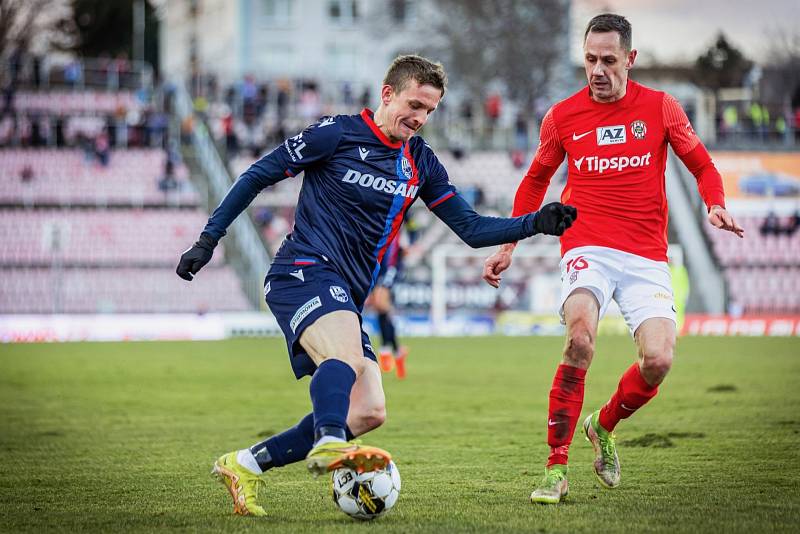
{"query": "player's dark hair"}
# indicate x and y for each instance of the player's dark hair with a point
(418, 68)
(609, 22)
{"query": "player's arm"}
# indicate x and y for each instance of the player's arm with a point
(476, 230)
(483, 231)
(314, 145)
(693, 154)
(530, 192)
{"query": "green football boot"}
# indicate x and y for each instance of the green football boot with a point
(553, 488)
(335, 454)
(242, 484)
(606, 461)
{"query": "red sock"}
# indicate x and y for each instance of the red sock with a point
(566, 401)
(632, 393)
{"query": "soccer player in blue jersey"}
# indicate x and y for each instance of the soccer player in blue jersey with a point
(362, 172)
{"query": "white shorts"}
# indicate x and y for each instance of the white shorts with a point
(641, 287)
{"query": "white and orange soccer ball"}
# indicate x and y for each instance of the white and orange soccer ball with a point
(366, 496)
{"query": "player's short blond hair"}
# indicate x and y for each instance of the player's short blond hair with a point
(417, 68)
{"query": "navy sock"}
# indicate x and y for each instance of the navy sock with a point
(330, 397)
(289, 446)
(387, 330)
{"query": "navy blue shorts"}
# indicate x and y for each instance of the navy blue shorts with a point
(298, 295)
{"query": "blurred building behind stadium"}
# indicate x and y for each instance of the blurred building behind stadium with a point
(123, 123)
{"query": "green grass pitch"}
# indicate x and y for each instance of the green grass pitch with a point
(121, 437)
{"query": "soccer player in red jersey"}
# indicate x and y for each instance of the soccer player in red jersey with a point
(614, 134)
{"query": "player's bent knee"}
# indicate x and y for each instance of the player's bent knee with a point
(579, 348)
(656, 367)
(370, 418)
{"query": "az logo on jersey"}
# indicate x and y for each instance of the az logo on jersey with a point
(611, 135)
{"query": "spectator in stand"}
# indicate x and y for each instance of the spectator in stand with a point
(102, 149)
(730, 120)
(118, 70)
(310, 106)
(493, 107)
(168, 182)
(520, 141)
(6, 129)
(248, 91)
(347, 95)
(797, 124)
(262, 99)
(794, 223)
(37, 139)
(771, 225)
(263, 217)
(231, 142)
(365, 99)
(73, 73)
(26, 174)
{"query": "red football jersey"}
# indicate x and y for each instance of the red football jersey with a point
(616, 155)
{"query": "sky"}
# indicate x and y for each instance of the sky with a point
(677, 31)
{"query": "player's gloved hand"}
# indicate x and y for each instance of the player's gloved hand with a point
(554, 218)
(196, 257)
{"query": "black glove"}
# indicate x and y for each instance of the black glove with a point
(554, 218)
(196, 257)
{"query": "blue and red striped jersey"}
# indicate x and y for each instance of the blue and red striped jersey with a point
(357, 186)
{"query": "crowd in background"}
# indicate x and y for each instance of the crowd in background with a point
(252, 115)
(774, 225)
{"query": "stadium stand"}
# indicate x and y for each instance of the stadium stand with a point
(84, 235)
(763, 270)
(65, 177)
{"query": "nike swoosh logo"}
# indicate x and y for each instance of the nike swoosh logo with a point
(550, 422)
(576, 137)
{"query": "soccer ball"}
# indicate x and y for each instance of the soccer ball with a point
(367, 495)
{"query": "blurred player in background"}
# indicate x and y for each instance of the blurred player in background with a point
(392, 355)
(614, 134)
(362, 173)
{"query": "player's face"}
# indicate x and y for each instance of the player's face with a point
(408, 110)
(607, 64)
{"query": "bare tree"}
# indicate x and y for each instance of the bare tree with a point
(514, 42)
(39, 23)
(781, 81)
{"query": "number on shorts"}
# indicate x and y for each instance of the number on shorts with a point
(577, 264)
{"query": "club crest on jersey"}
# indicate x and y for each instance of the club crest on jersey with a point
(405, 165)
(638, 129)
(611, 135)
(339, 294)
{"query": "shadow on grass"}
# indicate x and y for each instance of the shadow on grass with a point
(660, 441)
(723, 388)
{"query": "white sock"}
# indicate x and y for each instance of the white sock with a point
(327, 439)
(248, 461)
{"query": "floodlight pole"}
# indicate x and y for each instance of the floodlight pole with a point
(138, 30)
